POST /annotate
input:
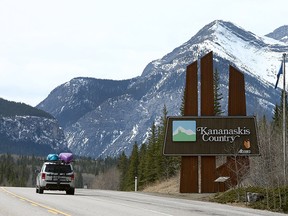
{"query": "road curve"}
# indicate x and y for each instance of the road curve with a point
(25, 201)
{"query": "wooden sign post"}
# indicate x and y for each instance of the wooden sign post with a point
(190, 181)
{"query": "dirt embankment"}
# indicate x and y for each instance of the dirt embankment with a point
(171, 187)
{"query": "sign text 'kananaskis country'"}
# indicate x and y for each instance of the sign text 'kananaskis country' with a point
(222, 135)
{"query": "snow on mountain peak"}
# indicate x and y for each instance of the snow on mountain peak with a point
(280, 34)
(252, 54)
(183, 130)
(249, 53)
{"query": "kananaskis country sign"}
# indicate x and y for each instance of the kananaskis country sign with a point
(211, 136)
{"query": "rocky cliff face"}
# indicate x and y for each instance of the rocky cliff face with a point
(106, 117)
(280, 34)
(35, 133)
(27, 135)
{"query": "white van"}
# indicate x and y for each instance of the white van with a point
(56, 175)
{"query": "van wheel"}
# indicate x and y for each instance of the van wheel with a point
(70, 191)
(41, 191)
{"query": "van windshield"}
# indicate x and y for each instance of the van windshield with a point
(58, 168)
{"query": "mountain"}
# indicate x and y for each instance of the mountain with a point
(74, 99)
(183, 130)
(26, 130)
(10, 108)
(280, 34)
(106, 117)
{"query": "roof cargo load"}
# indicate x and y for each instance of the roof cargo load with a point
(52, 157)
(66, 157)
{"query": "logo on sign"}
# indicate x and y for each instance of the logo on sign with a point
(184, 131)
(246, 147)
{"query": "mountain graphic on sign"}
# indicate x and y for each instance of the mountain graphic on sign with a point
(181, 134)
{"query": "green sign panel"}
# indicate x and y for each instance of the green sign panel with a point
(211, 136)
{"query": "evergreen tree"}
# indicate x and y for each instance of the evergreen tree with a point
(217, 94)
(150, 169)
(132, 168)
(278, 113)
(142, 165)
(123, 166)
(169, 165)
(1, 173)
(160, 158)
(276, 117)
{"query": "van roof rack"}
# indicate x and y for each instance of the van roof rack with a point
(57, 161)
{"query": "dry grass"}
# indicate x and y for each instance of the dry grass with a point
(171, 188)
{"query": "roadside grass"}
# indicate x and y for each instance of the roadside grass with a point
(272, 199)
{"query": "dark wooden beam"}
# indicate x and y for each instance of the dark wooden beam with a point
(208, 163)
(189, 164)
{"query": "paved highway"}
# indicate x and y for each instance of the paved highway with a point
(24, 201)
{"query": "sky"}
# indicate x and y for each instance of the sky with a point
(44, 44)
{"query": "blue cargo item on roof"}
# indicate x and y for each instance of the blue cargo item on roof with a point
(66, 157)
(53, 157)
